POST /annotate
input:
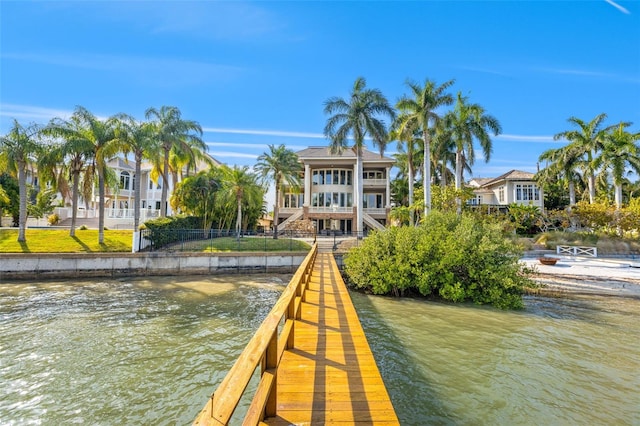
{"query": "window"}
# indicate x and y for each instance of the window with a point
(372, 201)
(501, 194)
(527, 192)
(475, 201)
(125, 180)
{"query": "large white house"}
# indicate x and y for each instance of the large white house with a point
(328, 196)
(514, 186)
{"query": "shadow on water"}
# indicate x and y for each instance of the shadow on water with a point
(415, 400)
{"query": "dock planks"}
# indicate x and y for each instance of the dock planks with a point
(330, 376)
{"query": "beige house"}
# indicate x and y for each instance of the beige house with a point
(328, 196)
(514, 186)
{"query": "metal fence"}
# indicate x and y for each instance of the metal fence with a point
(198, 240)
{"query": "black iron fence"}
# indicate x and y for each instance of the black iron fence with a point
(218, 240)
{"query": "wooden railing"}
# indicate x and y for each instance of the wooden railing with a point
(265, 349)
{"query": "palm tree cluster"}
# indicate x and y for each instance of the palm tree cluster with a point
(76, 151)
(428, 138)
(595, 159)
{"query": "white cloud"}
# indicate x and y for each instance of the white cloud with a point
(528, 138)
(617, 6)
(35, 113)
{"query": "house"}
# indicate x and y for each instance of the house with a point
(514, 186)
(328, 197)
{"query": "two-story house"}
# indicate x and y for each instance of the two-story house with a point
(328, 196)
(514, 186)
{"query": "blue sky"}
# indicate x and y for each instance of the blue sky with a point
(258, 73)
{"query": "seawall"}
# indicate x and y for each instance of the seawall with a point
(78, 265)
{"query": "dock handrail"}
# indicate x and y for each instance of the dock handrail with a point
(265, 349)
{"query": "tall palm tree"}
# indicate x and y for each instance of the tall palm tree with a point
(418, 113)
(408, 144)
(282, 165)
(562, 163)
(241, 185)
(355, 118)
(468, 123)
(86, 129)
(585, 143)
(71, 155)
(19, 149)
(137, 138)
(620, 154)
(173, 131)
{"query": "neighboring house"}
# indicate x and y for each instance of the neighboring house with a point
(119, 202)
(514, 186)
(328, 195)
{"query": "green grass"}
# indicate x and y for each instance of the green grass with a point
(231, 244)
(59, 241)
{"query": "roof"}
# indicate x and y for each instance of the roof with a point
(510, 175)
(323, 152)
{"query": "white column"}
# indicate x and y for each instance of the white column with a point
(388, 188)
(307, 185)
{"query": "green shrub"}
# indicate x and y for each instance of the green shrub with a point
(53, 219)
(455, 258)
(166, 230)
(83, 228)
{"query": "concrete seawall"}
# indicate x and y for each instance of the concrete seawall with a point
(75, 265)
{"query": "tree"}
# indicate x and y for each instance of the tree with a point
(240, 185)
(417, 113)
(172, 131)
(86, 129)
(406, 158)
(620, 154)
(584, 144)
(196, 195)
(10, 203)
(469, 122)
(562, 166)
(282, 166)
(18, 149)
(356, 118)
(137, 138)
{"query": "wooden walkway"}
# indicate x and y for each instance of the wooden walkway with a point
(330, 375)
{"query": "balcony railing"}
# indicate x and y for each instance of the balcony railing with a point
(330, 210)
(374, 182)
(375, 211)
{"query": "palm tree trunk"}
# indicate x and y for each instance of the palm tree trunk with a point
(74, 202)
(427, 172)
(572, 194)
(100, 204)
(22, 217)
(165, 183)
(411, 175)
(459, 166)
(618, 195)
(276, 210)
(359, 190)
(239, 218)
(136, 191)
(592, 188)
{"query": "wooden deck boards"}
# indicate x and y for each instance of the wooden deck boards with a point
(330, 376)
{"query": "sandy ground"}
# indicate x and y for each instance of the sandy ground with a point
(581, 275)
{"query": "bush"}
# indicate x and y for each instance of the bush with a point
(455, 258)
(53, 219)
(83, 228)
(165, 230)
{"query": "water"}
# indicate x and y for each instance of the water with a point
(150, 351)
(123, 352)
(559, 362)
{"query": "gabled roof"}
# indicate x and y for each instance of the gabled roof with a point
(323, 153)
(510, 175)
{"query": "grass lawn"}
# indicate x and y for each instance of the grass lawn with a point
(229, 244)
(59, 241)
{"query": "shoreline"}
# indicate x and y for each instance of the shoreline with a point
(579, 276)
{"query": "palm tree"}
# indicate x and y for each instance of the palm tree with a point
(469, 122)
(18, 149)
(71, 155)
(406, 158)
(585, 144)
(280, 164)
(172, 131)
(620, 152)
(85, 129)
(356, 118)
(138, 138)
(241, 185)
(562, 163)
(417, 113)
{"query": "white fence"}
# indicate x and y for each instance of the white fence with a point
(577, 251)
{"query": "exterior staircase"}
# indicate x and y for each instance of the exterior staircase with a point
(371, 222)
(297, 215)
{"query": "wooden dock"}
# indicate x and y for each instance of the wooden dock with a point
(316, 366)
(330, 375)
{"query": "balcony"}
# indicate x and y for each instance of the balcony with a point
(374, 182)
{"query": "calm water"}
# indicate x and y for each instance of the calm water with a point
(151, 352)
